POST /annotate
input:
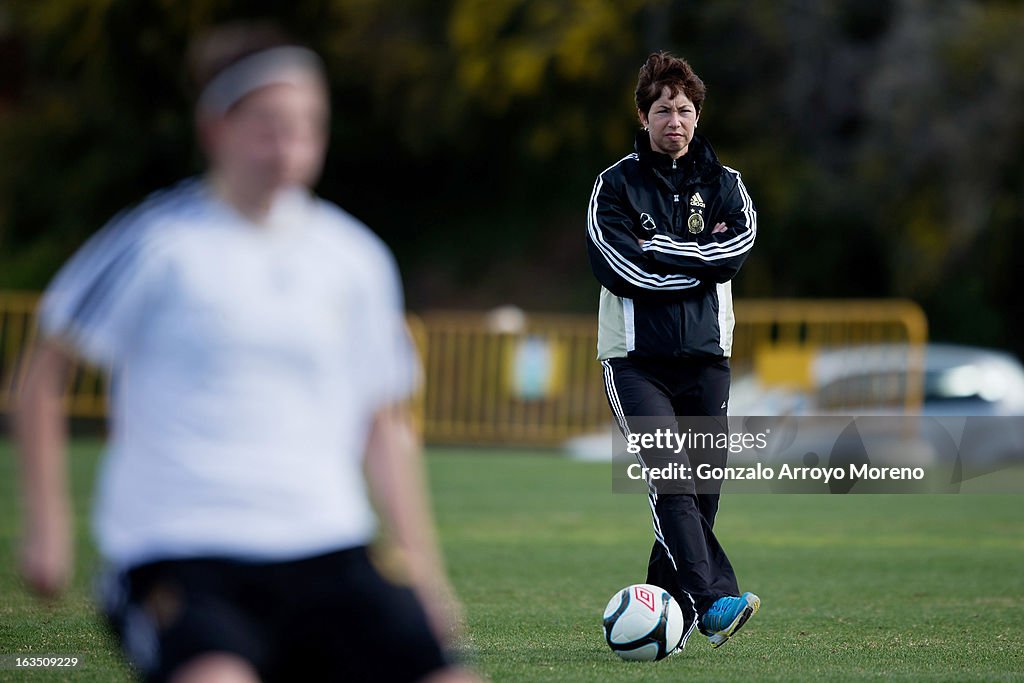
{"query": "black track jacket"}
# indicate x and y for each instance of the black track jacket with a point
(665, 277)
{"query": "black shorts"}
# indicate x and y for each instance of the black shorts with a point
(326, 618)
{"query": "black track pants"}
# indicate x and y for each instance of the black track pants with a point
(687, 559)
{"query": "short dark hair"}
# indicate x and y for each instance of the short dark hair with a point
(663, 69)
(218, 47)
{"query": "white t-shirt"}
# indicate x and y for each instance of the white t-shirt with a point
(246, 364)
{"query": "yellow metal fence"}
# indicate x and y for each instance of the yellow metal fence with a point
(536, 381)
(537, 384)
(86, 391)
(770, 332)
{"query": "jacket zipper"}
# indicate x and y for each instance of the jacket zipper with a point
(677, 226)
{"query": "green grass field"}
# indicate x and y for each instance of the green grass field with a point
(853, 587)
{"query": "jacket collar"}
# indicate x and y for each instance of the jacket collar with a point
(700, 159)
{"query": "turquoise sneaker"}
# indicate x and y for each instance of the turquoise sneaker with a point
(726, 617)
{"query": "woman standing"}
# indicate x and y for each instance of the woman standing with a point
(668, 227)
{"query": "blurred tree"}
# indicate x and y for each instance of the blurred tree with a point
(882, 141)
(944, 146)
(461, 93)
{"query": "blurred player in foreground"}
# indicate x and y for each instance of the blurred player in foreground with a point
(255, 341)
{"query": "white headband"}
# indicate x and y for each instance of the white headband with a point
(286, 64)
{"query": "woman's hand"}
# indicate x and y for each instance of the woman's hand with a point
(46, 554)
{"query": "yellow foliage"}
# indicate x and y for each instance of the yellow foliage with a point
(506, 49)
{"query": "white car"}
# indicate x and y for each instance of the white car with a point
(960, 381)
(971, 418)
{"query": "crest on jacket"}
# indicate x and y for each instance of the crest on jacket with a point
(695, 223)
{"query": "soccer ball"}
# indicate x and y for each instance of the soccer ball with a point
(643, 623)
